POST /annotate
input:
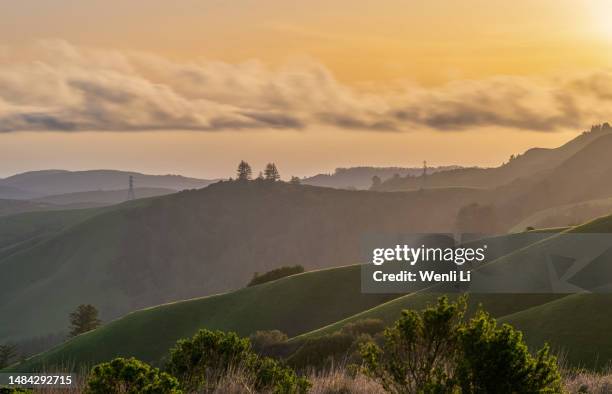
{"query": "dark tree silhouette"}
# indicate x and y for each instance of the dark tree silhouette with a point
(271, 172)
(295, 180)
(375, 182)
(83, 319)
(244, 171)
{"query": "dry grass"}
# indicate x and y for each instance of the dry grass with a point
(339, 380)
(588, 382)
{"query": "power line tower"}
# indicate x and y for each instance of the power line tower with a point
(131, 195)
(424, 177)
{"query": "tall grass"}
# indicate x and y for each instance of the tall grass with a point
(340, 379)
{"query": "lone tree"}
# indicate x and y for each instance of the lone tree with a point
(7, 353)
(244, 171)
(376, 181)
(83, 319)
(295, 180)
(271, 172)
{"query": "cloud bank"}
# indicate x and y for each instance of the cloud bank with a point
(67, 88)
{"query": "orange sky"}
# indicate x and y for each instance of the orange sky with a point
(368, 46)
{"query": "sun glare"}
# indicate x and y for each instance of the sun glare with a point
(601, 11)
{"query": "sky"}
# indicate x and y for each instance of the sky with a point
(194, 86)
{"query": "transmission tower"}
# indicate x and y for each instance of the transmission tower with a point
(424, 180)
(131, 195)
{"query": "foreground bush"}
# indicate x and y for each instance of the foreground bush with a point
(262, 340)
(275, 274)
(202, 362)
(437, 351)
(130, 376)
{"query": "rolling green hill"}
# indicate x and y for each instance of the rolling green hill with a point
(577, 326)
(195, 243)
(294, 304)
(102, 197)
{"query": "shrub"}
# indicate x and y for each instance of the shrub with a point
(364, 326)
(270, 375)
(438, 351)
(130, 376)
(14, 390)
(496, 359)
(275, 274)
(262, 340)
(201, 361)
(322, 351)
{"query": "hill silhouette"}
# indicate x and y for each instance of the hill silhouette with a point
(102, 197)
(194, 243)
(51, 182)
(532, 162)
(361, 177)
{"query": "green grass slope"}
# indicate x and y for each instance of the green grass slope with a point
(294, 305)
(577, 326)
(196, 243)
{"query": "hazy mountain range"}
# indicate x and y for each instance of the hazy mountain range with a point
(208, 241)
(361, 177)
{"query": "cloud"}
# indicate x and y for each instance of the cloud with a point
(63, 87)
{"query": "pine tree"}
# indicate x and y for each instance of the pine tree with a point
(83, 319)
(244, 171)
(271, 172)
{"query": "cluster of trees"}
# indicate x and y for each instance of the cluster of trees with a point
(275, 274)
(245, 172)
(270, 173)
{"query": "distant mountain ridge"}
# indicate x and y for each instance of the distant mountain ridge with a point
(361, 177)
(532, 162)
(52, 182)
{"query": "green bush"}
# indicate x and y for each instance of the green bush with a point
(322, 351)
(275, 274)
(438, 351)
(270, 375)
(262, 340)
(363, 326)
(200, 364)
(14, 390)
(130, 376)
(201, 361)
(495, 359)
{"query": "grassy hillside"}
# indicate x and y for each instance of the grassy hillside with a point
(105, 197)
(533, 161)
(294, 304)
(196, 243)
(577, 326)
(566, 215)
(53, 182)
(22, 231)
